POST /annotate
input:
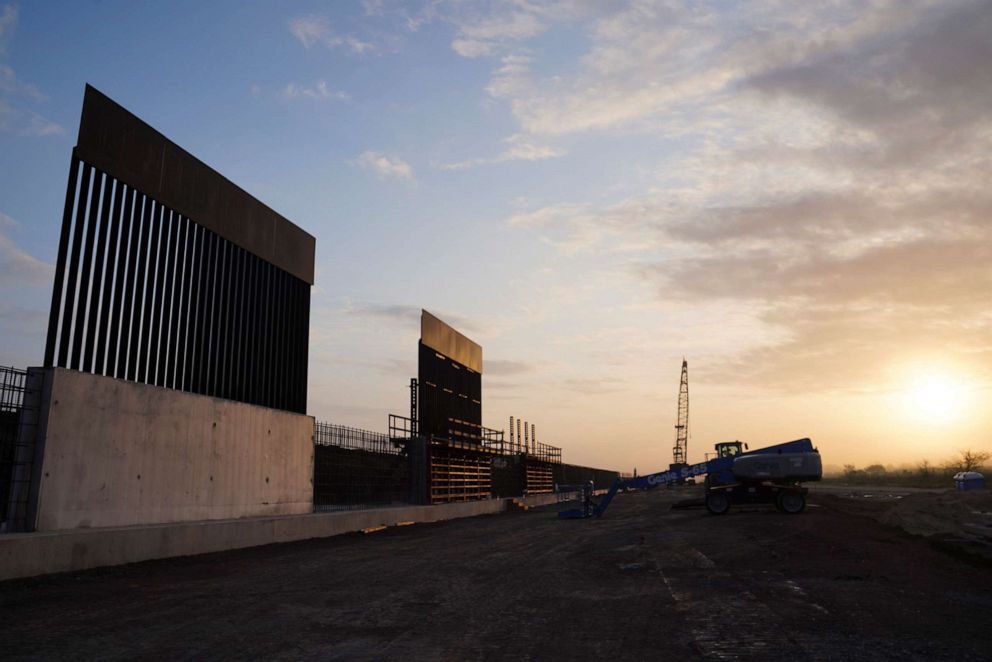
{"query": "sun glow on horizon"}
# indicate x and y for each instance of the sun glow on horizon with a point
(935, 394)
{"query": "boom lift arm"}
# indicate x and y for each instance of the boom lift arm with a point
(762, 474)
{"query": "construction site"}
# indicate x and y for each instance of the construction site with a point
(644, 582)
(165, 494)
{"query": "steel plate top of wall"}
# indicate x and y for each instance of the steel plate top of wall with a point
(116, 141)
(439, 336)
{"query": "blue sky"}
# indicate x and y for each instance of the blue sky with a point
(792, 196)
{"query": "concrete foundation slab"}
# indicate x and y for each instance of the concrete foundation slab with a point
(32, 554)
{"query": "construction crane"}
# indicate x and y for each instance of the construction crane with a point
(682, 422)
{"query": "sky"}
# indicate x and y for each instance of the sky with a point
(793, 196)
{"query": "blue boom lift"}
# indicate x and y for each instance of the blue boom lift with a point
(736, 475)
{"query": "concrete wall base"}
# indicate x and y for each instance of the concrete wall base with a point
(31, 554)
(117, 454)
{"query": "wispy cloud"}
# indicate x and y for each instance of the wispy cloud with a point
(17, 97)
(384, 166)
(519, 149)
(39, 125)
(506, 368)
(309, 30)
(22, 320)
(8, 21)
(411, 17)
(316, 30)
(472, 47)
(10, 85)
(484, 35)
(319, 90)
(26, 122)
(409, 315)
(593, 385)
(400, 313)
(19, 268)
(547, 216)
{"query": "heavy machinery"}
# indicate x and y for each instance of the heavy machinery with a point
(736, 475)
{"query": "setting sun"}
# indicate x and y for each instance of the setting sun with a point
(934, 396)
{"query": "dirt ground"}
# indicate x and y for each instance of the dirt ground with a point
(645, 582)
(960, 522)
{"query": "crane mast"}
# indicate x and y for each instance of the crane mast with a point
(680, 449)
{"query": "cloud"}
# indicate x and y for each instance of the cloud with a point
(352, 43)
(472, 48)
(508, 378)
(840, 284)
(17, 96)
(643, 59)
(384, 166)
(319, 90)
(512, 76)
(509, 25)
(38, 125)
(648, 61)
(546, 216)
(524, 150)
(593, 385)
(8, 21)
(402, 313)
(309, 30)
(915, 91)
(925, 273)
(27, 122)
(25, 322)
(18, 267)
(316, 30)
(831, 176)
(520, 149)
(848, 348)
(10, 85)
(505, 368)
(581, 227)
(483, 36)
(410, 315)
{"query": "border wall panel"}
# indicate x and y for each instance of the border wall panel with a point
(195, 245)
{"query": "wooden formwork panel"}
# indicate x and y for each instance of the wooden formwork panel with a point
(539, 478)
(459, 476)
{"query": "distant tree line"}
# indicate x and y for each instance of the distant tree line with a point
(923, 474)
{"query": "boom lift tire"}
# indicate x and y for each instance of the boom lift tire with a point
(791, 501)
(717, 502)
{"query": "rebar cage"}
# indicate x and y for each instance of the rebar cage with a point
(356, 469)
(16, 448)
